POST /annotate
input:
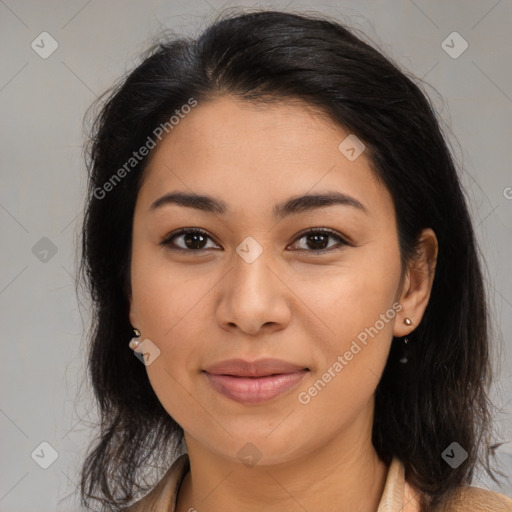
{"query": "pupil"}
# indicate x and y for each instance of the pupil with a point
(194, 238)
(317, 241)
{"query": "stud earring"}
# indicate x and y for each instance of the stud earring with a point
(135, 342)
(404, 359)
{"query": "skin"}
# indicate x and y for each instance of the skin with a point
(200, 308)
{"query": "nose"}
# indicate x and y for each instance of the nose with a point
(254, 298)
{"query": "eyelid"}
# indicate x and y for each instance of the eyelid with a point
(343, 240)
(166, 242)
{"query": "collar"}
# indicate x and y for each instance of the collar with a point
(398, 495)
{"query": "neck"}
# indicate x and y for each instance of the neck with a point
(342, 475)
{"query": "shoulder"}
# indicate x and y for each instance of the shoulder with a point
(475, 499)
(163, 495)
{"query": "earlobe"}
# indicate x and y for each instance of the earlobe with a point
(418, 284)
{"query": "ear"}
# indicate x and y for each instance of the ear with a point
(415, 291)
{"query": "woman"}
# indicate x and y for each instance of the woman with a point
(275, 220)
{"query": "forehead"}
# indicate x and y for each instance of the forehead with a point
(244, 152)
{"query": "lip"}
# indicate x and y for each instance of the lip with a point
(254, 382)
(257, 368)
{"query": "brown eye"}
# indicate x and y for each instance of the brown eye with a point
(191, 240)
(317, 241)
(196, 240)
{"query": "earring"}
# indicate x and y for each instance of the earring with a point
(405, 352)
(404, 359)
(135, 342)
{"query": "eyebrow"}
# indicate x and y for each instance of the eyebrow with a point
(292, 206)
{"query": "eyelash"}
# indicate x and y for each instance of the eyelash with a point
(167, 241)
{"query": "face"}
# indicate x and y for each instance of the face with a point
(313, 283)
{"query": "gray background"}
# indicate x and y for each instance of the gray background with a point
(43, 397)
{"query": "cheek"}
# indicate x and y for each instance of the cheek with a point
(351, 298)
(169, 304)
(166, 297)
(353, 357)
(356, 303)
(167, 320)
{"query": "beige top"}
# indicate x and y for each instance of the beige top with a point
(398, 495)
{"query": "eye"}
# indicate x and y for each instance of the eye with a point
(318, 241)
(196, 240)
(191, 240)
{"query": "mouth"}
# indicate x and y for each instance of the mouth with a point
(255, 382)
